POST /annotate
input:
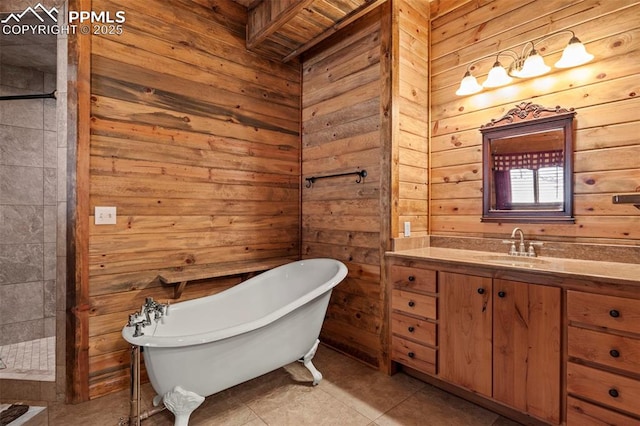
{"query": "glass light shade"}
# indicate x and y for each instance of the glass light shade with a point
(497, 76)
(533, 66)
(574, 54)
(468, 86)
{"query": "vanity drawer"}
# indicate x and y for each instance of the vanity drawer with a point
(407, 278)
(413, 355)
(584, 414)
(422, 331)
(612, 312)
(606, 388)
(413, 303)
(603, 348)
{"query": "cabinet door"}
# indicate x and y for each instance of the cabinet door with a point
(465, 337)
(526, 347)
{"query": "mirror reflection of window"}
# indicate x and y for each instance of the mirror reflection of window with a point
(542, 186)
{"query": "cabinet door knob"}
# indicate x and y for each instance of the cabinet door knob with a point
(614, 353)
(501, 294)
(412, 355)
(481, 290)
(411, 329)
(614, 313)
(411, 303)
(411, 278)
(614, 393)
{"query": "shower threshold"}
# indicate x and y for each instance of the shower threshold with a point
(31, 360)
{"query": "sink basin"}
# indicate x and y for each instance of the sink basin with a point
(528, 262)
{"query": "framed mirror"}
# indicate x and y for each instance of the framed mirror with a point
(527, 165)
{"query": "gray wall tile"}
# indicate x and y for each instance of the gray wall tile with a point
(21, 331)
(27, 113)
(49, 307)
(21, 146)
(22, 302)
(50, 261)
(21, 224)
(21, 263)
(27, 79)
(50, 149)
(21, 185)
(50, 187)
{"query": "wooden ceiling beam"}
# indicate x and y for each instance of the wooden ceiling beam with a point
(353, 16)
(269, 16)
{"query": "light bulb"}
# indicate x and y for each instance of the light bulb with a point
(533, 66)
(497, 76)
(468, 86)
(574, 54)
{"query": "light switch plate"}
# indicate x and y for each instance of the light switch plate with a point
(407, 229)
(105, 215)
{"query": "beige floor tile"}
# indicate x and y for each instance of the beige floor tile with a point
(216, 410)
(271, 391)
(314, 408)
(102, 411)
(433, 407)
(350, 394)
(372, 393)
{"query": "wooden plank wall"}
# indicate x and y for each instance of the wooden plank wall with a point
(197, 143)
(604, 93)
(364, 106)
(411, 101)
(341, 104)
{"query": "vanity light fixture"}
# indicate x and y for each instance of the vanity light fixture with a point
(526, 65)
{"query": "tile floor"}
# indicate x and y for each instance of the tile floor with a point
(350, 394)
(32, 360)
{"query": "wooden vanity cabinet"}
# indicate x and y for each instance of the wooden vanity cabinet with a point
(603, 372)
(413, 315)
(465, 331)
(501, 339)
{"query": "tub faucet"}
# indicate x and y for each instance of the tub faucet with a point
(150, 310)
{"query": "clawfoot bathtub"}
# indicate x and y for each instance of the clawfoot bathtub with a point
(203, 346)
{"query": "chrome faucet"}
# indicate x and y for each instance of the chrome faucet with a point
(521, 250)
(151, 310)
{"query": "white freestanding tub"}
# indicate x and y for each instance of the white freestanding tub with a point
(206, 345)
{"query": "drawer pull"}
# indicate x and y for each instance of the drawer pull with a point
(614, 313)
(411, 303)
(411, 278)
(481, 290)
(412, 355)
(614, 353)
(411, 329)
(614, 393)
(501, 294)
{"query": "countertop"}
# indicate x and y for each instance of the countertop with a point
(611, 272)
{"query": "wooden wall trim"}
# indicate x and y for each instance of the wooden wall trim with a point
(79, 121)
(389, 130)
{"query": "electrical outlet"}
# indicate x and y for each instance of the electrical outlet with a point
(105, 215)
(407, 229)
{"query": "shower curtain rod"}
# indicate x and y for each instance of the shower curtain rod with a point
(51, 95)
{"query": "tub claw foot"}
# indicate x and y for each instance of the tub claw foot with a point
(181, 403)
(306, 360)
(157, 400)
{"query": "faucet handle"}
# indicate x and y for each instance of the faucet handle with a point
(512, 250)
(532, 251)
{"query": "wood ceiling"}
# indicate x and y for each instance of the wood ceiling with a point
(283, 29)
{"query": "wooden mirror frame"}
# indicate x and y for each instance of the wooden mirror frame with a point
(527, 118)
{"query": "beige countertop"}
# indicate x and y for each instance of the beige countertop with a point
(614, 272)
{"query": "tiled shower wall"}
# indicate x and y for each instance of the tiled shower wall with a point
(30, 191)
